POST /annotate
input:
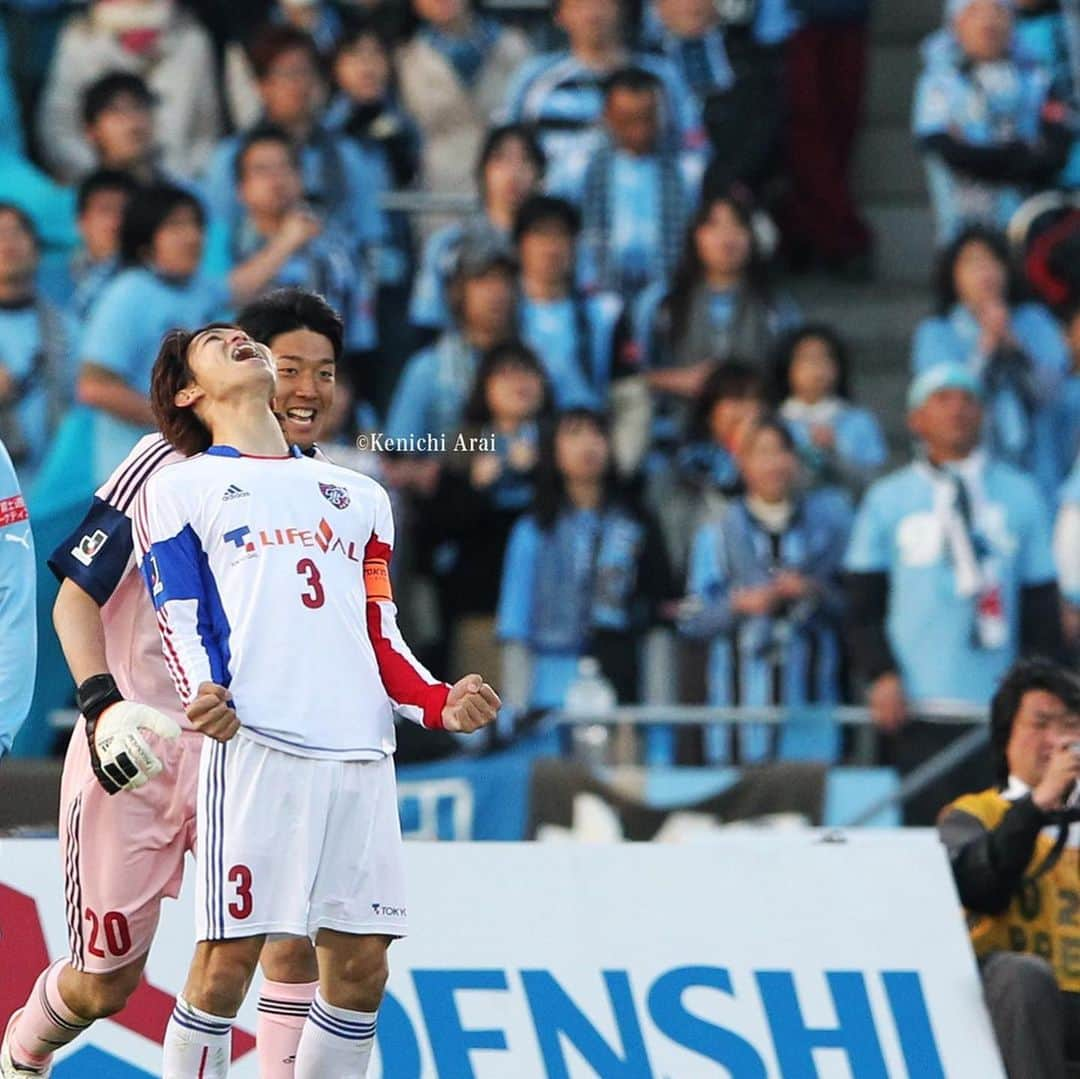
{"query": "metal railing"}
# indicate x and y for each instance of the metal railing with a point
(624, 720)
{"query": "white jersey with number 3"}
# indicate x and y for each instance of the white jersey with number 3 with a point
(270, 576)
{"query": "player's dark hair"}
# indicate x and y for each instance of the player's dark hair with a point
(270, 44)
(945, 267)
(181, 427)
(24, 219)
(259, 134)
(732, 380)
(288, 309)
(103, 180)
(788, 346)
(635, 80)
(102, 93)
(146, 212)
(1022, 677)
(538, 210)
(551, 496)
(515, 354)
(493, 143)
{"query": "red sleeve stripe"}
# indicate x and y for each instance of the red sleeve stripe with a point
(404, 678)
(172, 661)
(128, 482)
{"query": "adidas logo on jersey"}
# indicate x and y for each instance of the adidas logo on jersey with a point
(234, 492)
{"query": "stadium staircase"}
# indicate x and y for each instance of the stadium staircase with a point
(878, 319)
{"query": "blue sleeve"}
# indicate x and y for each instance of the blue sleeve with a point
(95, 556)
(870, 549)
(860, 441)
(367, 181)
(18, 608)
(932, 112)
(707, 608)
(51, 207)
(218, 184)
(217, 258)
(513, 618)
(1036, 558)
(428, 308)
(519, 87)
(934, 343)
(775, 22)
(112, 337)
(408, 410)
(1041, 337)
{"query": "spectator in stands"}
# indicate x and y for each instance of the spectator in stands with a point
(561, 93)
(764, 588)
(720, 304)
(826, 73)
(1018, 888)
(435, 384)
(579, 338)
(983, 119)
(509, 169)
(160, 286)
(155, 39)
(37, 344)
(481, 493)
(453, 76)
(949, 557)
(18, 615)
(840, 444)
(79, 279)
(585, 573)
(692, 482)
(636, 194)
(280, 241)
(340, 179)
(736, 78)
(118, 121)
(1016, 350)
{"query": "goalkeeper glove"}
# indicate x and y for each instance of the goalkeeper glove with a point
(119, 755)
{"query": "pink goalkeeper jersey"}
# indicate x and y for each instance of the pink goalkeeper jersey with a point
(99, 558)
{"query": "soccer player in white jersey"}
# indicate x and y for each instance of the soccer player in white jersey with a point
(270, 576)
(123, 854)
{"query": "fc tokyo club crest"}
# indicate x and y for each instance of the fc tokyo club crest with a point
(338, 497)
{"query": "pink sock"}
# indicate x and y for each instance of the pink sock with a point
(46, 1023)
(283, 1008)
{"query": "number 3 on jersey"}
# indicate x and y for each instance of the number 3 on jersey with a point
(239, 876)
(316, 597)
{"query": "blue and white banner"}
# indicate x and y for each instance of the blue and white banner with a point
(752, 956)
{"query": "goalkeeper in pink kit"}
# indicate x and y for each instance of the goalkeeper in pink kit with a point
(269, 572)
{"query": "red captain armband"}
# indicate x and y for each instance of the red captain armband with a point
(377, 579)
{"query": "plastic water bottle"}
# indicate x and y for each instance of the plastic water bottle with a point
(590, 696)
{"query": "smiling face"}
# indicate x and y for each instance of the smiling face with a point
(306, 374)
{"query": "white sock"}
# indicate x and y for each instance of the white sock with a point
(335, 1041)
(197, 1045)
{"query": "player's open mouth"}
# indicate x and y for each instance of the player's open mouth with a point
(300, 415)
(245, 350)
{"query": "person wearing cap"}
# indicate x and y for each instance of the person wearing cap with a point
(984, 118)
(430, 396)
(161, 42)
(1016, 350)
(949, 576)
(1019, 888)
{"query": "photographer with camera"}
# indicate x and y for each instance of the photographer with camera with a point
(1013, 851)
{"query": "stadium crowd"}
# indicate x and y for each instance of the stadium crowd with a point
(606, 428)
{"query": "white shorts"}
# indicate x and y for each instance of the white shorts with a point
(290, 844)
